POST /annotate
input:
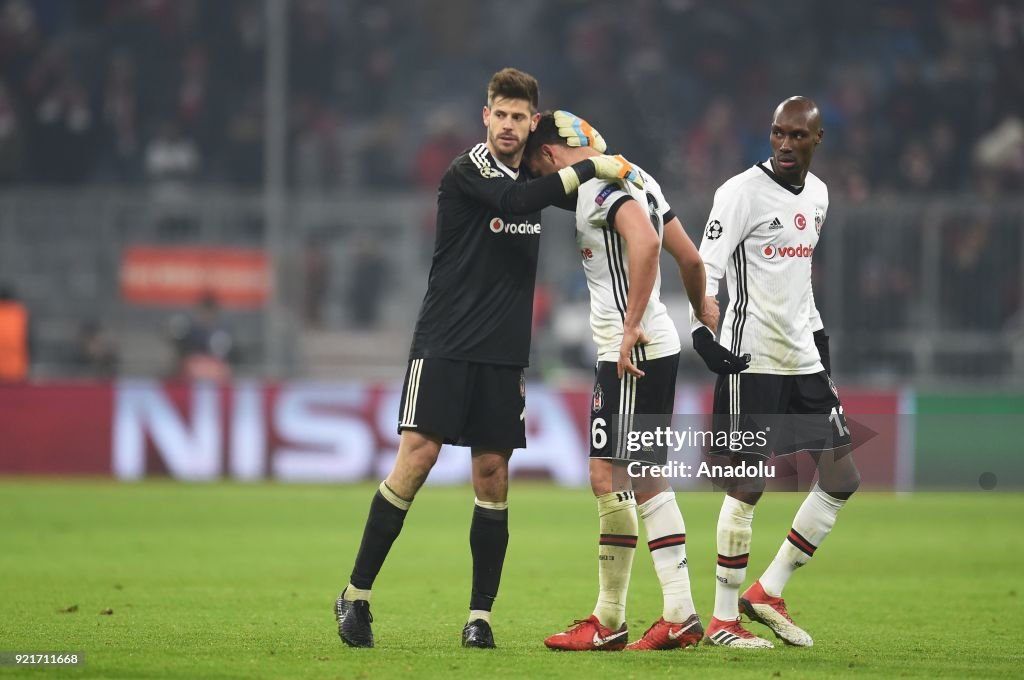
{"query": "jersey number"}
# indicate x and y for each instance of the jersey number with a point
(838, 419)
(598, 437)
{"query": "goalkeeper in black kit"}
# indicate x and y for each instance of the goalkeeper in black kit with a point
(464, 384)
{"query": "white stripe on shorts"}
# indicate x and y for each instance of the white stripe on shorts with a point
(734, 402)
(412, 391)
(627, 406)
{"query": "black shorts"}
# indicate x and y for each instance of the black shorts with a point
(765, 414)
(465, 403)
(638, 403)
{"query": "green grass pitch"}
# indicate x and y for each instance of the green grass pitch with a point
(233, 581)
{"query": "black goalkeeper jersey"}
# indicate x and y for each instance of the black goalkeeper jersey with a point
(479, 301)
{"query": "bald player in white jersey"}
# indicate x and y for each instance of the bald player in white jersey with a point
(619, 233)
(761, 234)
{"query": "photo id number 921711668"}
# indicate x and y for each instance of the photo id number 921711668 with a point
(41, 658)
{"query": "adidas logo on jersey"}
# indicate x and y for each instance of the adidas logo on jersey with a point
(776, 224)
(498, 226)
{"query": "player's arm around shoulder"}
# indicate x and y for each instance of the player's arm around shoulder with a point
(476, 176)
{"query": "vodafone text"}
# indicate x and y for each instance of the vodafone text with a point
(771, 252)
(499, 226)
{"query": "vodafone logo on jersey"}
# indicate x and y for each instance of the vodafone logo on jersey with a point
(498, 226)
(770, 252)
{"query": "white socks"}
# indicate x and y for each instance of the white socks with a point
(813, 522)
(666, 534)
(733, 553)
(351, 594)
(475, 614)
(617, 513)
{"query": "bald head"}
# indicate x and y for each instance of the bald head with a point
(796, 133)
(802, 108)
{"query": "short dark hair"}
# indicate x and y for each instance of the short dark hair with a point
(511, 83)
(545, 133)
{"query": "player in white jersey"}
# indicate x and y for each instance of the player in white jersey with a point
(620, 231)
(761, 234)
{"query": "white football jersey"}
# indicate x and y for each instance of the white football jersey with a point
(761, 234)
(606, 263)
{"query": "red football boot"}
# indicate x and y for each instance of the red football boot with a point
(771, 611)
(666, 635)
(588, 635)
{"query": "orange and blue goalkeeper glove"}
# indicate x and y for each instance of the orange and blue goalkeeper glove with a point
(578, 132)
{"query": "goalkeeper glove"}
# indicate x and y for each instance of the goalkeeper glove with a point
(821, 342)
(612, 168)
(717, 358)
(617, 167)
(578, 132)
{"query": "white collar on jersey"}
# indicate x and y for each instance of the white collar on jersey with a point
(514, 174)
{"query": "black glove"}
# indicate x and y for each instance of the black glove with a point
(717, 358)
(821, 342)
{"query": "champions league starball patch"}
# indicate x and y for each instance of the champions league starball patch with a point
(713, 230)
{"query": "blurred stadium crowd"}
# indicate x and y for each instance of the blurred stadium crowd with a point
(162, 101)
(918, 96)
